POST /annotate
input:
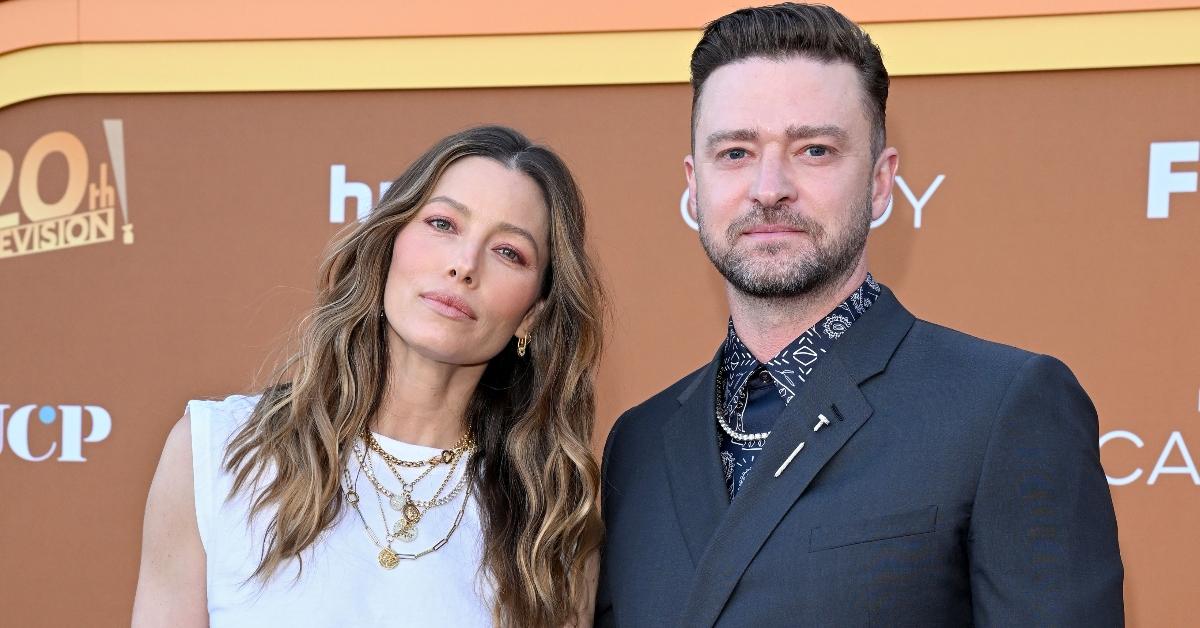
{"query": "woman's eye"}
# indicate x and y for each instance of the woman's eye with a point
(441, 224)
(509, 253)
(816, 151)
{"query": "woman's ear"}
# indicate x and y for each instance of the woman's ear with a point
(530, 319)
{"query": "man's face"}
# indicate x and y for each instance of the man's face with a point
(781, 179)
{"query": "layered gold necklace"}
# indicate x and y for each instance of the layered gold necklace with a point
(410, 510)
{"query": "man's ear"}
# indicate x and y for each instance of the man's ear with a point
(689, 171)
(883, 178)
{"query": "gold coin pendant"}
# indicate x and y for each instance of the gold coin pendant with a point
(388, 559)
(412, 513)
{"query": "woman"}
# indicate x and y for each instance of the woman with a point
(424, 457)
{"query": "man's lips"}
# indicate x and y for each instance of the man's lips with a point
(771, 230)
(448, 305)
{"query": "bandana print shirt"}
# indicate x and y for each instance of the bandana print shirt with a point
(756, 393)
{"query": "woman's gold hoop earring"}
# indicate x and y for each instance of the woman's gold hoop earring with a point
(522, 343)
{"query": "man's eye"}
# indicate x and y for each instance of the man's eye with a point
(816, 151)
(735, 154)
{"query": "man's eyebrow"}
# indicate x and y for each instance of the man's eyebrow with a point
(794, 132)
(506, 227)
(804, 132)
(734, 135)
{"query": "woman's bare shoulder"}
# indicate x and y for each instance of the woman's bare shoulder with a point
(171, 580)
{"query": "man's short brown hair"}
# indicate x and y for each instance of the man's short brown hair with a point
(812, 31)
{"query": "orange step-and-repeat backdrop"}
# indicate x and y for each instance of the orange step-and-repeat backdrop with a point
(157, 247)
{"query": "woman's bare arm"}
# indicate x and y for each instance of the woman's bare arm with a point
(171, 583)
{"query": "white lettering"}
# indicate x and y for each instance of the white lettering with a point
(1162, 181)
(1189, 467)
(340, 190)
(919, 204)
(72, 430)
(887, 213)
(683, 211)
(18, 435)
(1133, 438)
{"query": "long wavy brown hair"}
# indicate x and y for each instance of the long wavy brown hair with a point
(532, 417)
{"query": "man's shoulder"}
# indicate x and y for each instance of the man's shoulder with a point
(666, 399)
(949, 346)
(971, 363)
(657, 409)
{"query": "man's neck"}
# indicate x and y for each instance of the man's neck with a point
(767, 325)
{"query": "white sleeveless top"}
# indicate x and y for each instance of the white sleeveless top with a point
(342, 582)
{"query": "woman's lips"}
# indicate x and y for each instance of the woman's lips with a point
(448, 305)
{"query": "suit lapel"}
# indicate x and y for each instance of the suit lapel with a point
(765, 499)
(694, 462)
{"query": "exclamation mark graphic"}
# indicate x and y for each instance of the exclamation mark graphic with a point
(114, 132)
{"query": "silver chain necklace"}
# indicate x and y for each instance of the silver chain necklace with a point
(388, 558)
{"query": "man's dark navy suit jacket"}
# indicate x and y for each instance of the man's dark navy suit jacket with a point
(958, 484)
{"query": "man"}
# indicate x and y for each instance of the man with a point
(839, 462)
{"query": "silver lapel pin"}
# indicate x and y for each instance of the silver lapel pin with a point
(821, 422)
(789, 459)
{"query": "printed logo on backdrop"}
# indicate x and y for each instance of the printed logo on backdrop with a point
(62, 424)
(1163, 180)
(917, 204)
(83, 213)
(341, 190)
(1173, 457)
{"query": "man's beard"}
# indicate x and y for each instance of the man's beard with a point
(812, 271)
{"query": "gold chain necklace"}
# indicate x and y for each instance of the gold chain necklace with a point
(389, 558)
(411, 510)
(465, 443)
(437, 499)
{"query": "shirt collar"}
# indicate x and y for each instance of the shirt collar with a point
(791, 367)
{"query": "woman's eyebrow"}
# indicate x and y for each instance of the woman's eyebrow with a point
(506, 227)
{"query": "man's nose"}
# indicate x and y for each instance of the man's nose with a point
(774, 184)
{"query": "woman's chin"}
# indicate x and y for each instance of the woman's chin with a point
(451, 352)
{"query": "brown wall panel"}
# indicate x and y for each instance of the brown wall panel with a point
(1037, 235)
(26, 23)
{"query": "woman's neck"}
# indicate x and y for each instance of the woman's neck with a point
(425, 401)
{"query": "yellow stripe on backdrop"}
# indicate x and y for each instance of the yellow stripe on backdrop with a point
(1150, 38)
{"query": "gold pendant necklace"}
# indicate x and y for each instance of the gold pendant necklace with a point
(388, 559)
(412, 510)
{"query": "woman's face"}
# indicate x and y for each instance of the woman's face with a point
(467, 271)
